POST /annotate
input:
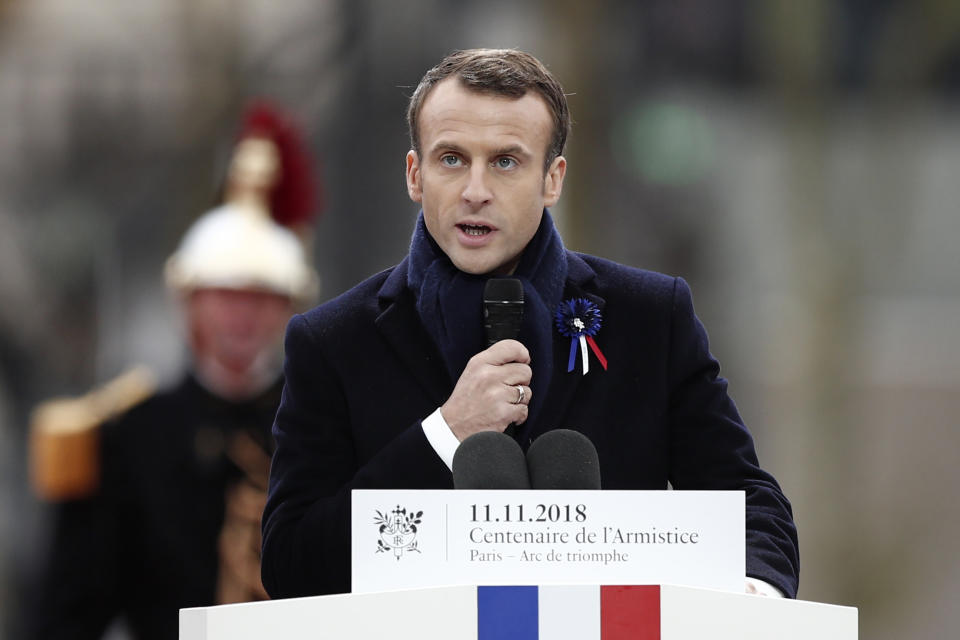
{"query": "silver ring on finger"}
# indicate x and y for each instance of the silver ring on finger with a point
(521, 394)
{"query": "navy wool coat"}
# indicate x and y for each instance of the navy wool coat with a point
(362, 372)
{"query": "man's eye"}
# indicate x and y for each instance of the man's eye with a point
(450, 161)
(506, 163)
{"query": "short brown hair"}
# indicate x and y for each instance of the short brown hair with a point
(502, 72)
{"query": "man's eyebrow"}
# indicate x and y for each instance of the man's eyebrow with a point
(441, 145)
(512, 150)
(509, 150)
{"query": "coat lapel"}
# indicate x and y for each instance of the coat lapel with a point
(401, 327)
(563, 386)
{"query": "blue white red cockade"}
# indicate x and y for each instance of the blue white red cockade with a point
(579, 319)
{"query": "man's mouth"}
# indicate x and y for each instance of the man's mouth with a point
(474, 229)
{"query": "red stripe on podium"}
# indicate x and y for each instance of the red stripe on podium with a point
(630, 613)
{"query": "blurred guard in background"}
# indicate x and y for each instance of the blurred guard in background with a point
(159, 495)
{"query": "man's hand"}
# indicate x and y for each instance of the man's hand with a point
(492, 392)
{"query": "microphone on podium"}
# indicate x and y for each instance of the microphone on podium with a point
(489, 460)
(563, 459)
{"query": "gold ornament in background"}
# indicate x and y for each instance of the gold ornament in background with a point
(65, 435)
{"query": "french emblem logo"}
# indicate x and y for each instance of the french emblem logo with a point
(398, 531)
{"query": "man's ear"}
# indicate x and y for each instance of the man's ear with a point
(414, 180)
(553, 182)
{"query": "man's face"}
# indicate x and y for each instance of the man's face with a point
(237, 329)
(480, 179)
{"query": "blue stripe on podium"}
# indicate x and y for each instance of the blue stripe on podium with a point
(507, 613)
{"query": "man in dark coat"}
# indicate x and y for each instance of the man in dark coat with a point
(167, 513)
(145, 543)
(384, 382)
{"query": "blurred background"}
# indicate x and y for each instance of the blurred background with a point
(797, 162)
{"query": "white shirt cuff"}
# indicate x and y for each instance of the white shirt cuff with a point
(761, 588)
(440, 437)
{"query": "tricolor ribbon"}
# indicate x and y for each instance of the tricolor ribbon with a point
(579, 319)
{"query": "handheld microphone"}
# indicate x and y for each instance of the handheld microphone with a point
(563, 459)
(502, 309)
(489, 460)
(503, 315)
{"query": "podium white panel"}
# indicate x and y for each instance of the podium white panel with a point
(573, 610)
(526, 613)
(426, 614)
(699, 613)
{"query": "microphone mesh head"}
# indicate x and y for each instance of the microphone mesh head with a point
(503, 290)
(489, 460)
(563, 459)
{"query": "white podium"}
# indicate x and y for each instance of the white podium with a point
(652, 612)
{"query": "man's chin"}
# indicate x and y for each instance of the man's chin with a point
(486, 267)
(239, 378)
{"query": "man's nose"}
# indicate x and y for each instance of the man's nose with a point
(477, 192)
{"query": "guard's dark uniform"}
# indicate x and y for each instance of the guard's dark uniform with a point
(146, 544)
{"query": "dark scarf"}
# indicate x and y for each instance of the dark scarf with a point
(450, 303)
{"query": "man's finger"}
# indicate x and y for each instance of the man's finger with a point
(521, 414)
(503, 352)
(519, 394)
(514, 373)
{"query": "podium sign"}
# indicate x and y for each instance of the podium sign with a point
(404, 539)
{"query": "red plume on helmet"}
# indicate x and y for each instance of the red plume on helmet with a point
(295, 200)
